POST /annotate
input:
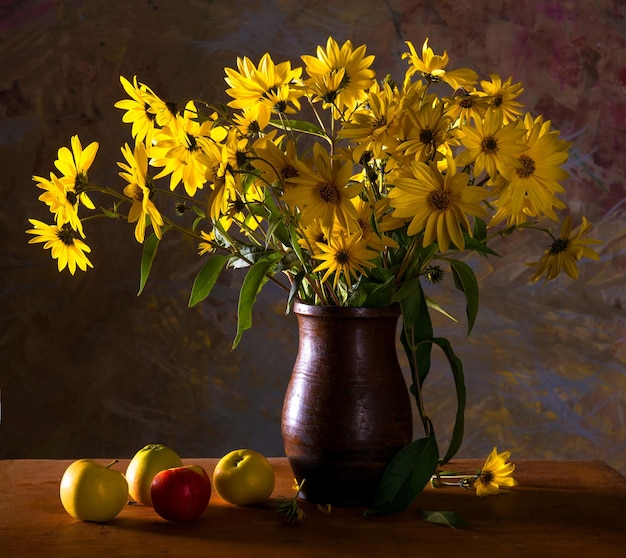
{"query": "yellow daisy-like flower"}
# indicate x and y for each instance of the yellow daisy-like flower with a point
(376, 127)
(432, 67)
(141, 109)
(437, 204)
(339, 76)
(565, 251)
(139, 189)
(366, 213)
(62, 200)
(532, 186)
(345, 255)
(466, 107)
(492, 146)
(177, 148)
(272, 87)
(275, 165)
(496, 472)
(74, 165)
(427, 130)
(252, 121)
(64, 242)
(324, 192)
(502, 96)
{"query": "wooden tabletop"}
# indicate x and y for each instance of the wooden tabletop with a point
(559, 509)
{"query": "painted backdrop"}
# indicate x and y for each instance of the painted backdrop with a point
(87, 368)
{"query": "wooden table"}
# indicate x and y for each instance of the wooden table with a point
(559, 509)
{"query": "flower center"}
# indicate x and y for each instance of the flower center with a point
(440, 200)
(342, 257)
(427, 136)
(66, 234)
(380, 122)
(466, 103)
(288, 171)
(191, 143)
(497, 100)
(135, 192)
(71, 197)
(486, 477)
(528, 167)
(329, 193)
(489, 145)
(559, 245)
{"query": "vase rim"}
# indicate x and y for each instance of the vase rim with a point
(392, 311)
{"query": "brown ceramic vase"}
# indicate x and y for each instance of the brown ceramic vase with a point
(347, 410)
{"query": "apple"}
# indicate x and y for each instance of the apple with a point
(91, 491)
(143, 467)
(181, 493)
(244, 477)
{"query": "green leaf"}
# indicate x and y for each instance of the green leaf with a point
(447, 518)
(206, 279)
(301, 126)
(149, 252)
(435, 306)
(406, 476)
(251, 286)
(479, 231)
(459, 382)
(416, 328)
(465, 281)
(479, 246)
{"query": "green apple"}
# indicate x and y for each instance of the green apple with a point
(144, 466)
(93, 492)
(244, 477)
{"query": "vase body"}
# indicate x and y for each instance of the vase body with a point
(347, 409)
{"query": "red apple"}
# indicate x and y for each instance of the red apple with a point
(181, 493)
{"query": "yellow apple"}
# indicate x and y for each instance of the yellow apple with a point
(244, 477)
(144, 466)
(93, 492)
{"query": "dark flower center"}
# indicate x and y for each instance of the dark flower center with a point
(66, 234)
(486, 477)
(440, 200)
(380, 122)
(71, 197)
(288, 171)
(497, 100)
(427, 136)
(342, 257)
(528, 167)
(329, 193)
(466, 102)
(151, 116)
(559, 245)
(489, 145)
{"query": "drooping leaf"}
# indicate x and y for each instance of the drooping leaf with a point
(459, 383)
(149, 252)
(465, 281)
(251, 286)
(405, 476)
(447, 518)
(206, 279)
(416, 328)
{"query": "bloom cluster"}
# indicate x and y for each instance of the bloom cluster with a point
(331, 176)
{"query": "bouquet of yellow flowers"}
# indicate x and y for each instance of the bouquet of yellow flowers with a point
(341, 188)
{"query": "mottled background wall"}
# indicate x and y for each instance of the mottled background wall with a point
(87, 368)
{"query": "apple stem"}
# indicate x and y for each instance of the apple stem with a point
(112, 463)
